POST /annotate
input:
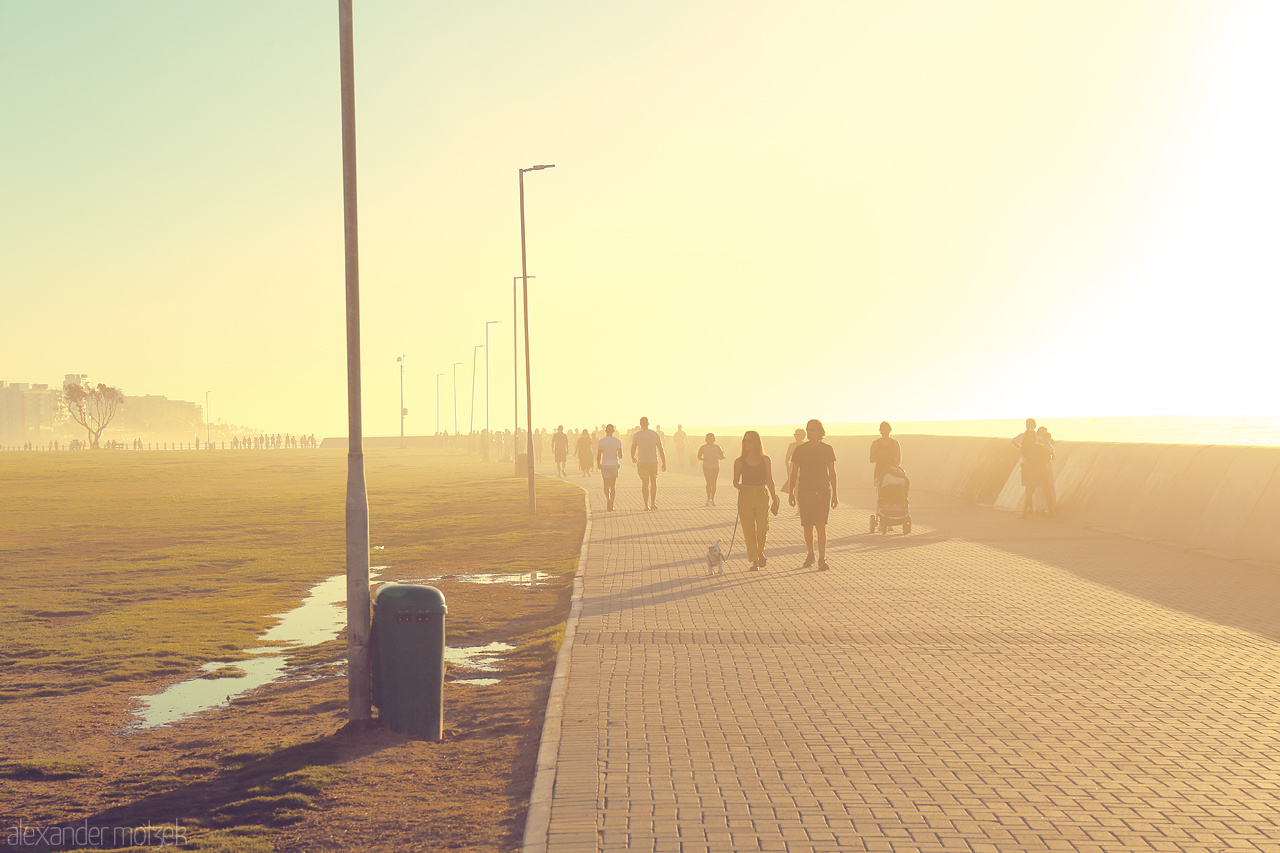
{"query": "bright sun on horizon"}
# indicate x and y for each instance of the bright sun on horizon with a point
(916, 211)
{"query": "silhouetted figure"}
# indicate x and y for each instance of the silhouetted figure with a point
(886, 453)
(538, 436)
(682, 441)
(1045, 440)
(1035, 467)
(710, 454)
(560, 450)
(646, 451)
(786, 460)
(753, 478)
(814, 488)
(609, 461)
(585, 460)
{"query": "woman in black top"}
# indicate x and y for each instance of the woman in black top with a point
(753, 478)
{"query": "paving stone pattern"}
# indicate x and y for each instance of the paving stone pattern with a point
(982, 684)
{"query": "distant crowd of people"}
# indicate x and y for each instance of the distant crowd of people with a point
(810, 480)
(247, 442)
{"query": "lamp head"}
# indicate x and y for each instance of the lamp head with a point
(536, 168)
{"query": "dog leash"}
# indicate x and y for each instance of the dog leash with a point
(735, 535)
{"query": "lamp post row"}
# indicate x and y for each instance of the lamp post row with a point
(528, 379)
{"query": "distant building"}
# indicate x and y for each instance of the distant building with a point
(29, 413)
(38, 414)
(156, 418)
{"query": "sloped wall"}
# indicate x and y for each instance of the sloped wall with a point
(1220, 498)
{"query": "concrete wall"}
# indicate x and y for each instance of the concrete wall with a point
(1220, 498)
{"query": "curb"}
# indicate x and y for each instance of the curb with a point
(538, 820)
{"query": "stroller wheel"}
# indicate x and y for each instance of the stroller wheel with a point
(906, 528)
(884, 527)
(873, 524)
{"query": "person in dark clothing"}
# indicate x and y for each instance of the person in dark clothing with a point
(886, 453)
(812, 485)
(1035, 468)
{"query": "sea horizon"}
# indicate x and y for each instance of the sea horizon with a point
(1256, 430)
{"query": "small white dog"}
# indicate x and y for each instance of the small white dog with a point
(715, 559)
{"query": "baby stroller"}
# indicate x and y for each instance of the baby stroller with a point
(892, 508)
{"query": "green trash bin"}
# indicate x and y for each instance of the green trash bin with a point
(408, 659)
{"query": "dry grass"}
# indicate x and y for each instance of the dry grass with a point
(126, 571)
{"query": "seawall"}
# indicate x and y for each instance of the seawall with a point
(1220, 499)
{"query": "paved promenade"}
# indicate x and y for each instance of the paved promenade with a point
(983, 684)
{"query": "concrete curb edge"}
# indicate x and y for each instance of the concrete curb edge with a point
(538, 820)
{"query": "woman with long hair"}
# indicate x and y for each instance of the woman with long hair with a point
(753, 478)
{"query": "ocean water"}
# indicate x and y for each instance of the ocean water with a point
(1175, 429)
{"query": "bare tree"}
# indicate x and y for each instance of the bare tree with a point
(92, 408)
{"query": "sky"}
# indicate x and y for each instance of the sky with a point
(759, 212)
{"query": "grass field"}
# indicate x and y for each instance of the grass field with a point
(126, 571)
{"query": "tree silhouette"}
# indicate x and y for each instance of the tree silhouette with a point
(92, 408)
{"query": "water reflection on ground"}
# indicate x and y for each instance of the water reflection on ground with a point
(529, 579)
(319, 618)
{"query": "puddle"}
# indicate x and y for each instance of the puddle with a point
(476, 658)
(480, 658)
(514, 579)
(321, 616)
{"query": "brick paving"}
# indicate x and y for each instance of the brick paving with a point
(983, 684)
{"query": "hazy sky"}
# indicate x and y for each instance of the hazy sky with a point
(760, 212)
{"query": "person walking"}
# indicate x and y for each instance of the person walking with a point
(559, 450)
(646, 451)
(753, 478)
(886, 453)
(711, 453)
(786, 460)
(609, 460)
(814, 489)
(682, 441)
(585, 460)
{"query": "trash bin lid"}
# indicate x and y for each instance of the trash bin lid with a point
(410, 598)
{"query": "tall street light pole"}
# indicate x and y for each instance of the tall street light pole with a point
(528, 381)
(359, 676)
(455, 396)
(403, 410)
(438, 375)
(206, 419)
(488, 437)
(515, 367)
(472, 428)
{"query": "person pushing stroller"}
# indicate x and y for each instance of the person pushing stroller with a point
(892, 485)
(886, 453)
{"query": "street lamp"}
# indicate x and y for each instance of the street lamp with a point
(359, 673)
(472, 428)
(455, 396)
(206, 418)
(438, 375)
(528, 381)
(515, 365)
(487, 436)
(403, 410)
